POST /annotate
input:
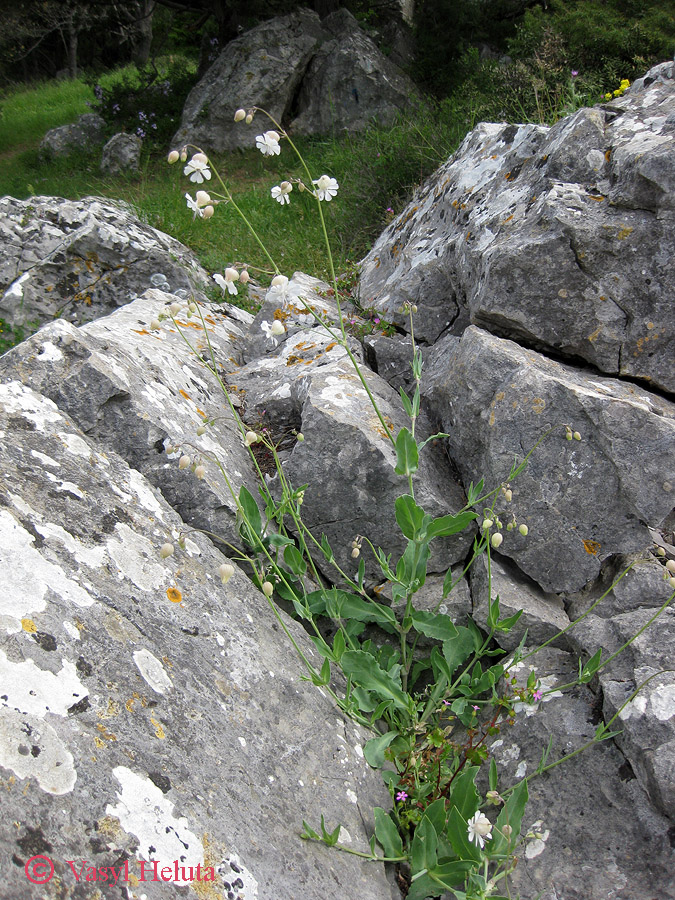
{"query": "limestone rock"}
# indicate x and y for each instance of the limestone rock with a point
(122, 153)
(139, 391)
(314, 76)
(136, 728)
(349, 83)
(87, 132)
(598, 836)
(560, 238)
(582, 501)
(263, 67)
(78, 260)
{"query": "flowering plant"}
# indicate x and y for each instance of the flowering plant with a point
(432, 712)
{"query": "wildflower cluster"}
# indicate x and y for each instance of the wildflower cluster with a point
(620, 91)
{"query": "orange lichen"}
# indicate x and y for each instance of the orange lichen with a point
(591, 547)
(174, 595)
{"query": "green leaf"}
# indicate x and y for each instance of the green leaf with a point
(387, 833)
(434, 437)
(411, 569)
(474, 492)
(251, 511)
(434, 625)
(511, 814)
(591, 667)
(374, 749)
(361, 574)
(407, 455)
(436, 814)
(446, 525)
(278, 540)
(464, 796)
(451, 874)
(327, 552)
(423, 847)
(493, 774)
(309, 833)
(366, 672)
(330, 838)
(339, 645)
(493, 613)
(459, 648)
(407, 406)
(422, 888)
(294, 560)
(409, 516)
(354, 607)
(458, 835)
(505, 625)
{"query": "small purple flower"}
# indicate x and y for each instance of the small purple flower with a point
(446, 703)
(401, 796)
(389, 209)
(98, 92)
(376, 321)
(140, 133)
(115, 107)
(476, 708)
(574, 73)
(537, 695)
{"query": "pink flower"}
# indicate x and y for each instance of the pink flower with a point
(401, 796)
(537, 695)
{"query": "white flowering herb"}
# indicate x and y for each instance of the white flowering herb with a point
(198, 169)
(326, 187)
(268, 143)
(281, 191)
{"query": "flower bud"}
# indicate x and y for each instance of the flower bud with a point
(240, 115)
(173, 157)
(166, 550)
(671, 581)
(523, 529)
(184, 462)
(576, 436)
(249, 118)
(277, 327)
(507, 831)
(508, 495)
(670, 565)
(356, 553)
(200, 471)
(174, 309)
(487, 523)
(496, 540)
(244, 277)
(207, 212)
(660, 551)
(226, 571)
(300, 437)
(183, 155)
(268, 589)
(251, 438)
(201, 430)
(155, 325)
(413, 308)
(279, 281)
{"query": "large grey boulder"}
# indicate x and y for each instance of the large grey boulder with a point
(142, 392)
(137, 729)
(263, 67)
(583, 501)
(122, 153)
(87, 132)
(349, 83)
(560, 238)
(81, 259)
(598, 837)
(314, 76)
(308, 384)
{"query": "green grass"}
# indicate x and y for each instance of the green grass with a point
(27, 113)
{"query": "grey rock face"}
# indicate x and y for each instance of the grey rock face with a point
(314, 76)
(582, 501)
(598, 836)
(88, 131)
(263, 67)
(122, 153)
(347, 456)
(561, 238)
(79, 260)
(138, 392)
(134, 728)
(349, 83)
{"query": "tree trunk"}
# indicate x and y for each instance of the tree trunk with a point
(72, 47)
(143, 37)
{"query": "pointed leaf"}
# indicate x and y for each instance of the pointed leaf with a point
(407, 455)
(458, 835)
(409, 516)
(387, 834)
(423, 847)
(464, 796)
(446, 525)
(251, 511)
(294, 560)
(366, 672)
(512, 815)
(437, 626)
(374, 749)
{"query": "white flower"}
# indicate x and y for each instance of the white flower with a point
(194, 206)
(281, 191)
(326, 187)
(208, 212)
(198, 169)
(202, 199)
(251, 438)
(227, 283)
(479, 829)
(226, 571)
(268, 143)
(244, 277)
(272, 330)
(279, 287)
